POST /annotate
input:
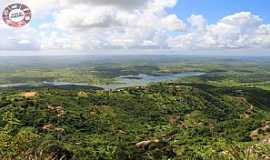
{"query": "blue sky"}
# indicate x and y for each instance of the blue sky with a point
(214, 10)
(180, 25)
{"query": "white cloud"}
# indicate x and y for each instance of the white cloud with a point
(123, 4)
(38, 7)
(198, 22)
(109, 26)
(21, 39)
(240, 30)
(84, 18)
(126, 24)
(173, 23)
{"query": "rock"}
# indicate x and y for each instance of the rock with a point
(260, 133)
(48, 126)
(145, 144)
(61, 130)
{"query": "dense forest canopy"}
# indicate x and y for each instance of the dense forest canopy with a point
(222, 114)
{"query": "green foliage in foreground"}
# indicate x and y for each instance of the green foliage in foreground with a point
(179, 122)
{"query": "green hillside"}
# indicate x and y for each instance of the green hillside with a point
(174, 121)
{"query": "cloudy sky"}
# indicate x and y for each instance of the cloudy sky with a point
(179, 25)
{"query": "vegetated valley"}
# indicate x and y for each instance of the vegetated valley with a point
(223, 114)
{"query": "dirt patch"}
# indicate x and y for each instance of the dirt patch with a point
(59, 110)
(174, 119)
(51, 127)
(29, 94)
(262, 133)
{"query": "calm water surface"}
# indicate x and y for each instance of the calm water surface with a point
(122, 81)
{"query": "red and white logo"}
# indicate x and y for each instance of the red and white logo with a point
(17, 15)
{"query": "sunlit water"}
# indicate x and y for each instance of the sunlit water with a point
(143, 80)
(121, 82)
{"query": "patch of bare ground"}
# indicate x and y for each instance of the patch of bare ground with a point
(262, 134)
(59, 110)
(51, 127)
(29, 94)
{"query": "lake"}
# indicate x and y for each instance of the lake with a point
(144, 79)
(121, 82)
